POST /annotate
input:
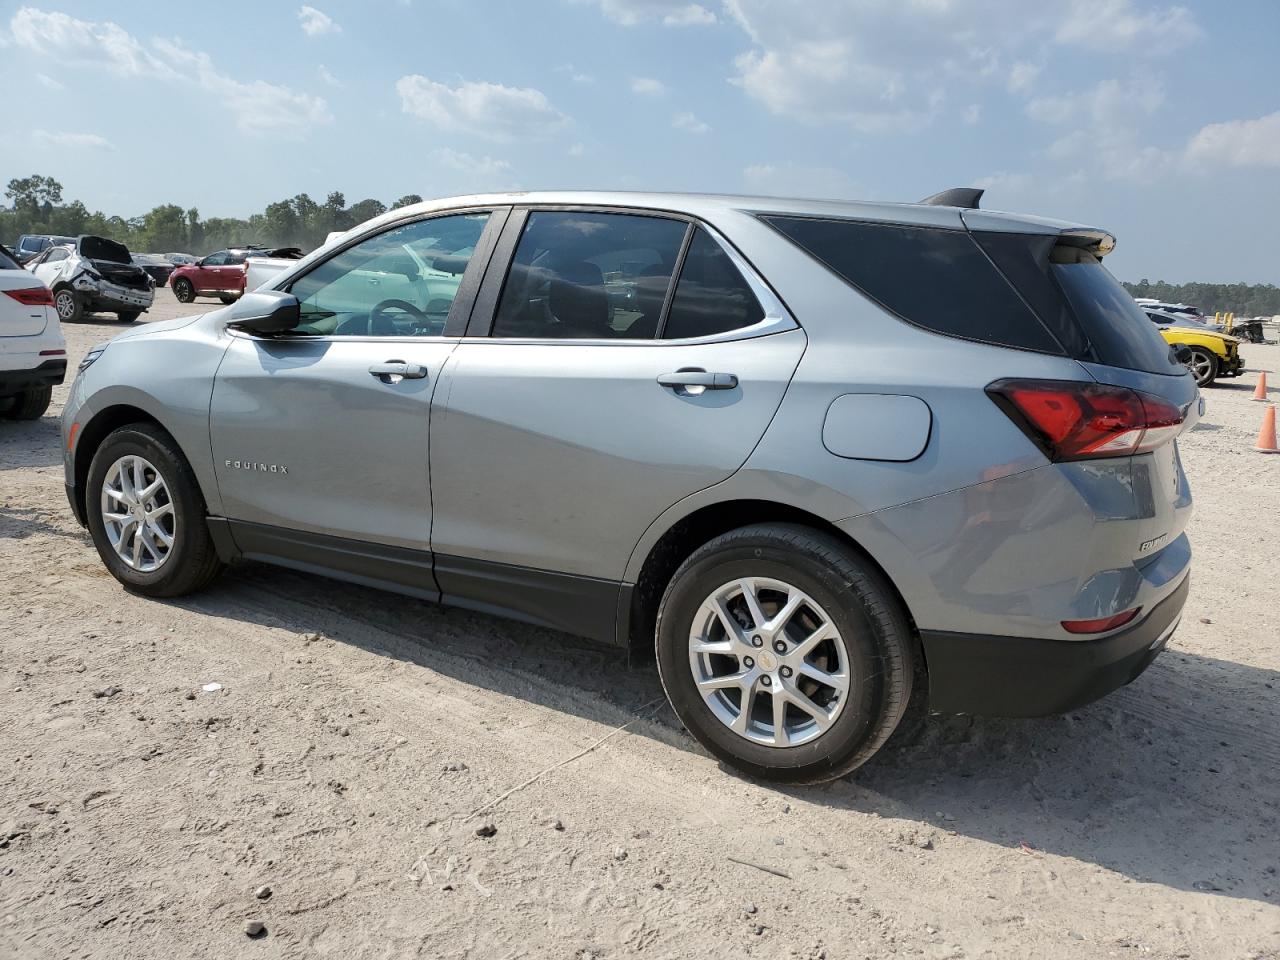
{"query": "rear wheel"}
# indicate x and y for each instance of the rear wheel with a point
(785, 653)
(30, 404)
(128, 316)
(227, 298)
(183, 290)
(68, 304)
(146, 514)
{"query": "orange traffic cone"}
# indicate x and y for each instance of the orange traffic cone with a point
(1267, 435)
(1260, 391)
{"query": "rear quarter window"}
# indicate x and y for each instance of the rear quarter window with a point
(934, 278)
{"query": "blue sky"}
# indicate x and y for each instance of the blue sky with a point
(1159, 121)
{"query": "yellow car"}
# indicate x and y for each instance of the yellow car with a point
(1213, 354)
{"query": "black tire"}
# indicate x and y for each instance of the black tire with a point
(227, 298)
(29, 404)
(192, 562)
(183, 290)
(860, 603)
(69, 305)
(128, 316)
(1207, 363)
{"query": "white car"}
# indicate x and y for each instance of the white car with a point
(33, 354)
(96, 274)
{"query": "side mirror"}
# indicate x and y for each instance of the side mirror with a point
(1182, 353)
(266, 313)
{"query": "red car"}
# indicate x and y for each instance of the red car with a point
(221, 274)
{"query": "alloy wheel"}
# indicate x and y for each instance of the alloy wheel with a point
(769, 662)
(1200, 365)
(137, 513)
(65, 303)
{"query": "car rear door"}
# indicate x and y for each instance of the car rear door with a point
(591, 393)
(320, 437)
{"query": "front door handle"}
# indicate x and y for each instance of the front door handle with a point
(393, 371)
(691, 381)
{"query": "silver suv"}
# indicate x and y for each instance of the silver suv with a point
(839, 463)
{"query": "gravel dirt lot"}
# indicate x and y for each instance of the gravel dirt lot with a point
(362, 744)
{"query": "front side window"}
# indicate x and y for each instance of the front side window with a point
(580, 275)
(399, 283)
(712, 296)
(56, 254)
(215, 259)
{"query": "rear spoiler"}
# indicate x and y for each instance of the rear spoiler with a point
(964, 197)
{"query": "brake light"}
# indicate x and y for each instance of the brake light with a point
(1101, 625)
(33, 296)
(1072, 420)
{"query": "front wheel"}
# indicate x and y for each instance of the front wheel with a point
(146, 514)
(785, 653)
(69, 305)
(183, 290)
(227, 298)
(1203, 366)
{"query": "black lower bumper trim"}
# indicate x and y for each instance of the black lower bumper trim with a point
(1023, 677)
(48, 374)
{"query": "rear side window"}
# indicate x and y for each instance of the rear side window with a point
(933, 278)
(1121, 334)
(711, 296)
(7, 262)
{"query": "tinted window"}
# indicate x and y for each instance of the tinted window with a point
(1120, 332)
(215, 259)
(934, 278)
(28, 244)
(7, 262)
(580, 275)
(400, 283)
(711, 295)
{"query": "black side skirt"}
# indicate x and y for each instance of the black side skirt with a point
(585, 606)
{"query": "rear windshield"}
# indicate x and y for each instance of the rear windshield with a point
(7, 262)
(934, 278)
(1121, 334)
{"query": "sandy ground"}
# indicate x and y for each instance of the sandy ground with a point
(360, 740)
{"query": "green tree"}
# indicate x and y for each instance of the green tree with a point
(164, 229)
(365, 210)
(33, 195)
(407, 200)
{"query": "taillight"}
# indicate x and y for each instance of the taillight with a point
(33, 296)
(1070, 420)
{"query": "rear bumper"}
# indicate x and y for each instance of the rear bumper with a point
(48, 374)
(1017, 677)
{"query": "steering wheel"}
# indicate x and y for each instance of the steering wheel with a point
(376, 313)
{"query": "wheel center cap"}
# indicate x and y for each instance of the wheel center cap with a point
(768, 661)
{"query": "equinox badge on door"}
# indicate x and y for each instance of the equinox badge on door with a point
(254, 465)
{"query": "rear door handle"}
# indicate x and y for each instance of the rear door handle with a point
(694, 380)
(393, 371)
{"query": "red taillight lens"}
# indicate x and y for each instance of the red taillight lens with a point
(1070, 420)
(33, 296)
(1101, 625)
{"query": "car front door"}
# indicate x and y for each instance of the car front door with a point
(205, 275)
(50, 264)
(319, 437)
(626, 361)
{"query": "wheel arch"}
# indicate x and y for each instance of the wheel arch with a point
(91, 436)
(637, 615)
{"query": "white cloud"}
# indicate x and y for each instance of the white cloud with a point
(1022, 76)
(689, 123)
(48, 82)
(485, 169)
(799, 180)
(672, 13)
(1238, 143)
(488, 110)
(326, 77)
(576, 75)
(692, 15)
(972, 114)
(316, 22)
(71, 141)
(577, 150)
(647, 87)
(1113, 25)
(260, 108)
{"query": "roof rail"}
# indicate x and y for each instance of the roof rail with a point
(966, 197)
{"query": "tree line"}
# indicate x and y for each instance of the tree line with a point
(36, 206)
(1242, 299)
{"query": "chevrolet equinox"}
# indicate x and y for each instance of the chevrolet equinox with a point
(839, 463)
